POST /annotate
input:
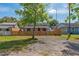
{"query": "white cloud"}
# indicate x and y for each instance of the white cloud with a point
(59, 11)
(51, 11)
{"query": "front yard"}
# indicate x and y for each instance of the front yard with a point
(44, 46)
(14, 43)
(21, 45)
(11, 38)
(72, 37)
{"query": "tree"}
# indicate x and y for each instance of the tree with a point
(8, 19)
(1, 21)
(76, 11)
(53, 22)
(32, 13)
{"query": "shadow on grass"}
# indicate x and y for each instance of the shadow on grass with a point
(15, 45)
(73, 49)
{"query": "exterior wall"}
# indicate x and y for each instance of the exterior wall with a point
(36, 29)
(73, 30)
(4, 31)
(6, 28)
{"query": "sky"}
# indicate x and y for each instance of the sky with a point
(8, 9)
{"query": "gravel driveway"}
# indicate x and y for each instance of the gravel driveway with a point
(46, 46)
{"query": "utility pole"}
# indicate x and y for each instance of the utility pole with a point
(69, 27)
(69, 19)
(56, 13)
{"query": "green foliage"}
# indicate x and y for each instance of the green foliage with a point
(74, 12)
(72, 17)
(53, 23)
(8, 19)
(32, 12)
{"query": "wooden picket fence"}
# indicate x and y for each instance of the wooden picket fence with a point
(38, 33)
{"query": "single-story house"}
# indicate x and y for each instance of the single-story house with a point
(7, 28)
(74, 28)
(39, 27)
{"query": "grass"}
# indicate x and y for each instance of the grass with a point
(14, 43)
(72, 37)
(10, 38)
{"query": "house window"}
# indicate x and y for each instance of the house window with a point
(38, 29)
(28, 29)
(44, 29)
(7, 29)
(73, 30)
(76, 30)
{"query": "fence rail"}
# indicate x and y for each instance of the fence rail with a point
(38, 33)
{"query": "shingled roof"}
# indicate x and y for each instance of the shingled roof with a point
(38, 25)
(8, 25)
(67, 25)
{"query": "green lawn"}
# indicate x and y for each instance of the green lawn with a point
(11, 38)
(72, 37)
(10, 43)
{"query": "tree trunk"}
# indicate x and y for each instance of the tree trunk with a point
(33, 35)
(34, 24)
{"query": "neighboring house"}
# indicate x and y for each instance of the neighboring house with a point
(39, 27)
(74, 28)
(6, 28)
